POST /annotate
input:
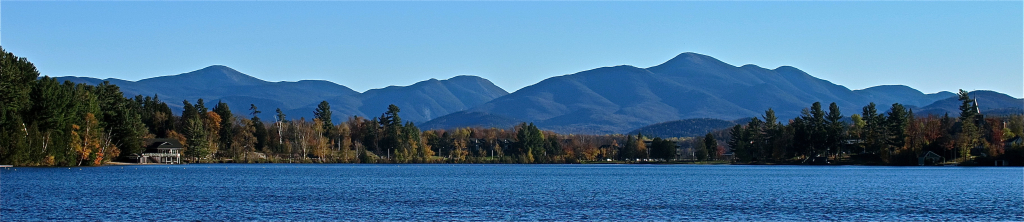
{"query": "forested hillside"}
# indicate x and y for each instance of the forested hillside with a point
(423, 101)
(46, 123)
(684, 128)
(620, 99)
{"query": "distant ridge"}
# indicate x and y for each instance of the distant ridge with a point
(617, 99)
(620, 99)
(683, 128)
(989, 102)
(419, 102)
(889, 94)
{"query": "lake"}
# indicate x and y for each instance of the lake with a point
(510, 192)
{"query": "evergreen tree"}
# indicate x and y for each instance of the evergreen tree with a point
(529, 141)
(738, 142)
(227, 127)
(259, 130)
(711, 145)
(700, 150)
(629, 150)
(663, 149)
(757, 136)
(322, 113)
(874, 128)
(127, 129)
(16, 77)
(969, 134)
(769, 136)
(817, 128)
(391, 122)
(834, 129)
(896, 124)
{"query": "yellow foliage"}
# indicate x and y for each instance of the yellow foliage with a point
(48, 161)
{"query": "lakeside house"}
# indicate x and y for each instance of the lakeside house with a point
(160, 150)
(1017, 140)
(929, 158)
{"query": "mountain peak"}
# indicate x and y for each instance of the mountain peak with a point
(225, 74)
(214, 75)
(219, 68)
(693, 58)
(690, 60)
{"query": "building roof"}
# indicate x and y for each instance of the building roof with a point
(930, 154)
(163, 143)
(1015, 140)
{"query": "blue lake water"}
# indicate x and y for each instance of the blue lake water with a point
(510, 192)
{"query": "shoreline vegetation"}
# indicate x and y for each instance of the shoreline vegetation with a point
(47, 123)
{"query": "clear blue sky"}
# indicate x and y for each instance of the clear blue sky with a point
(931, 46)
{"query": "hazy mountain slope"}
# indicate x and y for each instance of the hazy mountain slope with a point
(432, 98)
(474, 119)
(989, 102)
(683, 128)
(889, 94)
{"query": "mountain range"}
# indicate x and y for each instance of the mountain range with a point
(419, 102)
(623, 98)
(615, 99)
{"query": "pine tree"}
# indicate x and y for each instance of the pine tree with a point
(874, 128)
(834, 129)
(16, 77)
(322, 113)
(227, 127)
(969, 130)
(700, 150)
(896, 124)
(629, 150)
(738, 142)
(711, 145)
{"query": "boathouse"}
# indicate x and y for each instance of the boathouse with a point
(929, 158)
(161, 150)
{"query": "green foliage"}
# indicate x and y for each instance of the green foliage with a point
(835, 130)
(226, 132)
(529, 143)
(684, 128)
(391, 123)
(663, 149)
(322, 113)
(156, 115)
(969, 136)
(629, 150)
(874, 129)
(968, 107)
(711, 145)
(896, 126)
(739, 140)
(195, 133)
(47, 123)
(701, 150)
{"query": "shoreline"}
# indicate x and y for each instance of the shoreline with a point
(593, 163)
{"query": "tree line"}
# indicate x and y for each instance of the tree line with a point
(44, 122)
(895, 137)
